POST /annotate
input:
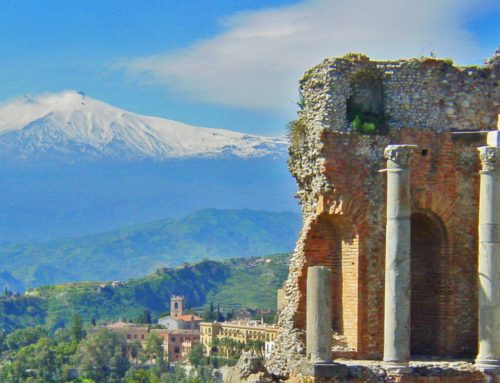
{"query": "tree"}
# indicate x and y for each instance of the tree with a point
(76, 328)
(43, 360)
(134, 348)
(62, 335)
(208, 314)
(154, 346)
(220, 318)
(144, 317)
(178, 375)
(103, 357)
(24, 337)
(202, 374)
(31, 363)
(3, 346)
(195, 356)
(137, 376)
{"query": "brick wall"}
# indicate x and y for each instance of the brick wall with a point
(444, 189)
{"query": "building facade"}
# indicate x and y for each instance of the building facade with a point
(239, 331)
(173, 339)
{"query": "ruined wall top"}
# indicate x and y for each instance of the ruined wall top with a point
(354, 93)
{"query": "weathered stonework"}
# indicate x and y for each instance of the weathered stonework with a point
(489, 158)
(423, 102)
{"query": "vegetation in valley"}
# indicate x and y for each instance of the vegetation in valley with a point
(231, 285)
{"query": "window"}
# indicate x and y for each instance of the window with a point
(172, 339)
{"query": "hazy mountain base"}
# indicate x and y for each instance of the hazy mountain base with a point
(232, 284)
(138, 250)
(42, 199)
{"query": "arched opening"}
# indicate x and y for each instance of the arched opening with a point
(334, 243)
(176, 305)
(429, 295)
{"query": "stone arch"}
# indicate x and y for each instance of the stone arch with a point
(332, 241)
(430, 296)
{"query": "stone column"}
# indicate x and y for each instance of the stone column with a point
(397, 258)
(488, 358)
(319, 315)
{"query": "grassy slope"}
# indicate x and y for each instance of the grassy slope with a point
(141, 249)
(242, 282)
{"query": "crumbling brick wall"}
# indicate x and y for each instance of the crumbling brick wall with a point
(423, 102)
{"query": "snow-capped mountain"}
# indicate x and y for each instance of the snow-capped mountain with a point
(71, 123)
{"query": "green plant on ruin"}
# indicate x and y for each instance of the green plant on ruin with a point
(367, 123)
(364, 127)
(355, 56)
(297, 130)
(302, 102)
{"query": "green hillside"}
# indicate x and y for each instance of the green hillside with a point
(238, 282)
(140, 249)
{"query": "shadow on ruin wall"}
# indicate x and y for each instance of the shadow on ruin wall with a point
(343, 196)
(348, 236)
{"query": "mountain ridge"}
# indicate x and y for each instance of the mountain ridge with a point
(73, 123)
(137, 250)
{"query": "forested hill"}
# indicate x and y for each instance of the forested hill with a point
(232, 283)
(138, 250)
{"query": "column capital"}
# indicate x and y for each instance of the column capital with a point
(490, 158)
(399, 154)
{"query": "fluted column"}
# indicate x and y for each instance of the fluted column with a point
(488, 357)
(397, 258)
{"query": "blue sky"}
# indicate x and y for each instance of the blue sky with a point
(228, 64)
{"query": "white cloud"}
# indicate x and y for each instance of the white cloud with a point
(258, 60)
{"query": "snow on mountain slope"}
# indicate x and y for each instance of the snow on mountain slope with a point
(71, 122)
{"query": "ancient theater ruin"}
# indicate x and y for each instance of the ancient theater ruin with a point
(391, 149)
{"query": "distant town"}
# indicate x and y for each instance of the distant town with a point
(180, 332)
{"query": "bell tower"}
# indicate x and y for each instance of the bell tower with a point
(176, 305)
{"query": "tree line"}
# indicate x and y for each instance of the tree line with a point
(73, 355)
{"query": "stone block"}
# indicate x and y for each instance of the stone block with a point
(324, 370)
(493, 138)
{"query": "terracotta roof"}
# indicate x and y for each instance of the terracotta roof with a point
(187, 317)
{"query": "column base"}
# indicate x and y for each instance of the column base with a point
(397, 368)
(488, 366)
(324, 370)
